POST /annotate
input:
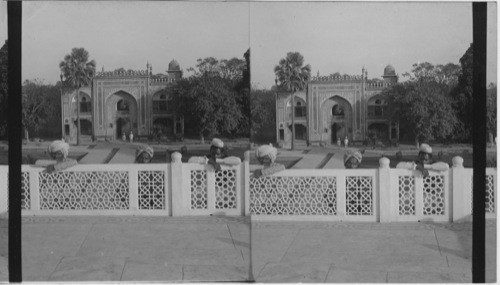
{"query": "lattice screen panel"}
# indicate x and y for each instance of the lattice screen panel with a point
(285, 195)
(25, 191)
(434, 199)
(199, 189)
(406, 195)
(359, 195)
(96, 190)
(225, 189)
(490, 195)
(151, 190)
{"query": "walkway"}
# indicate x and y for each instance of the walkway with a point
(235, 249)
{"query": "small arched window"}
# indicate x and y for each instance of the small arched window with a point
(337, 110)
(123, 106)
(85, 104)
(160, 103)
(300, 111)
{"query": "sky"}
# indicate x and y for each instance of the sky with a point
(347, 36)
(332, 36)
(130, 34)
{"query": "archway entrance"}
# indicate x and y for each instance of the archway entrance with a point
(337, 118)
(123, 126)
(122, 114)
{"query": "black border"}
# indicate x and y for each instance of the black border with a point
(14, 22)
(479, 25)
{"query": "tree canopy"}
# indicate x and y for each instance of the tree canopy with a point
(291, 73)
(422, 108)
(263, 110)
(76, 68)
(41, 108)
(215, 99)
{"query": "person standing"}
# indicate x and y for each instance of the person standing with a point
(424, 162)
(216, 156)
(58, 151)
(266, 155)
(144, 154)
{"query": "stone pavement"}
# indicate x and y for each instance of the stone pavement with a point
(235, 249)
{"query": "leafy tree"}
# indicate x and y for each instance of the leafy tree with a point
(447, 74)
(292, 76)
(263, 110)
(3, 89)
(41, 106)
(77, 72)
(208, 102)
(423, 108)
(235, 72)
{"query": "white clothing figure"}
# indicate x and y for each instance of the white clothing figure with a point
(131, 136)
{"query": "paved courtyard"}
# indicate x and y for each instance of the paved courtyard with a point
(236, 249)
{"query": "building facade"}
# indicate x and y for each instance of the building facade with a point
(335, 107)
(118, 103)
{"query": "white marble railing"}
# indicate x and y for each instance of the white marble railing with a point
(180, 189)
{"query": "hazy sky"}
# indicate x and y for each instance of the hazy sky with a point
(128, 34)
(333, 37)
(344, 37)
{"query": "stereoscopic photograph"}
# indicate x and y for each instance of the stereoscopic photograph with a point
(249, 141)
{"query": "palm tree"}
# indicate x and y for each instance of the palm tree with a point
(292, 77)
(77, 72)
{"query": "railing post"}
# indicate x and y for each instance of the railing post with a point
(4, 189)
(459, 209)
(245, 183)
(385, 191)
(177, 201)
(133, 185)
(34, 190)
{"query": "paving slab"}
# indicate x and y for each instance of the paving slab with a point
(151, 270)
(309, 161)
(123, 156)
(60, 240)
(89, 269)
(216, 273)
(337, 160)
(336, 275)
(293, 273)
(423, 277)
(95, 156)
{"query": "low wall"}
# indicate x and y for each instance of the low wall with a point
(181, 189)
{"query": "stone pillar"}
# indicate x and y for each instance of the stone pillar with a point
(459, 209)
(385, 192)
(34, 190)
(177, 199)
(133, 181)
(4, 189)
(245, 183)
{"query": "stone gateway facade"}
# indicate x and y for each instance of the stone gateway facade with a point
(117, 103)
(336, 107)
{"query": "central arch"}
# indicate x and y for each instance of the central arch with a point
(122, 113)
(337, 116)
